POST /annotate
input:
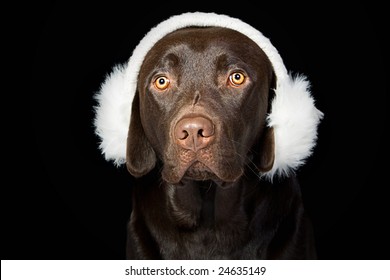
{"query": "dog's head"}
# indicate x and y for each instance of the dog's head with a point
(201, 105)
(210, 95)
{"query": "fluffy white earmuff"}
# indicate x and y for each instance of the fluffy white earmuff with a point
(293, 115)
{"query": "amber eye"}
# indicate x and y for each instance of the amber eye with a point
(236, 79)
(161, 83)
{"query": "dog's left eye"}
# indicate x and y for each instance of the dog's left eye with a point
(237, 79)
(161, 83)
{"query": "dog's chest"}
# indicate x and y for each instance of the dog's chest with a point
(204, 222)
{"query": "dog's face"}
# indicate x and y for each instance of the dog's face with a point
(200, 107)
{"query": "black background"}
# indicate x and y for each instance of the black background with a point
(61, 200)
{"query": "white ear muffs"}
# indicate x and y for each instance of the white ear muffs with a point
(293, 115)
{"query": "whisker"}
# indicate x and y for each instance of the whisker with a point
(247, 160)
(250, 165)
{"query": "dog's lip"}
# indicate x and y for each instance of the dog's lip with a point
(189, 170)
(198, 170)
(198, 167)
(201, 165)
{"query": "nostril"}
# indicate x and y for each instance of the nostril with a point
(183, 135)
(207, 130)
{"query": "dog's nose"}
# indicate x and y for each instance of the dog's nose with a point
(194, 133)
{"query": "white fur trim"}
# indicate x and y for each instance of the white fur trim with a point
(117, 92)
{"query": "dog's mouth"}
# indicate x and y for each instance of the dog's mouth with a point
(200, 172)
(199, 169)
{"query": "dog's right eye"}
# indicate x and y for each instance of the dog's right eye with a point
(161, 83)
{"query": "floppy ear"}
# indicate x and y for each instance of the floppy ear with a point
(266, 146)
(140, 156)
(266, 150)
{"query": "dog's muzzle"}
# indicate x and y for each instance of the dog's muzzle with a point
(197, 152)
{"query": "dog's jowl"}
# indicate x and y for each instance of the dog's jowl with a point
(206, 117)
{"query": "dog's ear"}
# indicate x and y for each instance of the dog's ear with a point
(140, 156)
(266, 152)
(266, 145)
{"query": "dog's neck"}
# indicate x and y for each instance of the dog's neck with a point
(207, 203)
(194, 218)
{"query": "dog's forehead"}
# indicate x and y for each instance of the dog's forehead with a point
(206, 43)
(201, 39)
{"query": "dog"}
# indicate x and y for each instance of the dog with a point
(201, 96)
(199, 140)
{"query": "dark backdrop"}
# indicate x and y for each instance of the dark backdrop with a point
(63, 201)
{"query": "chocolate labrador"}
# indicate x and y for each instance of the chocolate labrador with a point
(197, 142)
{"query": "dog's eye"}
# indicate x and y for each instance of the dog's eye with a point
(236, 79)
(161, 82)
